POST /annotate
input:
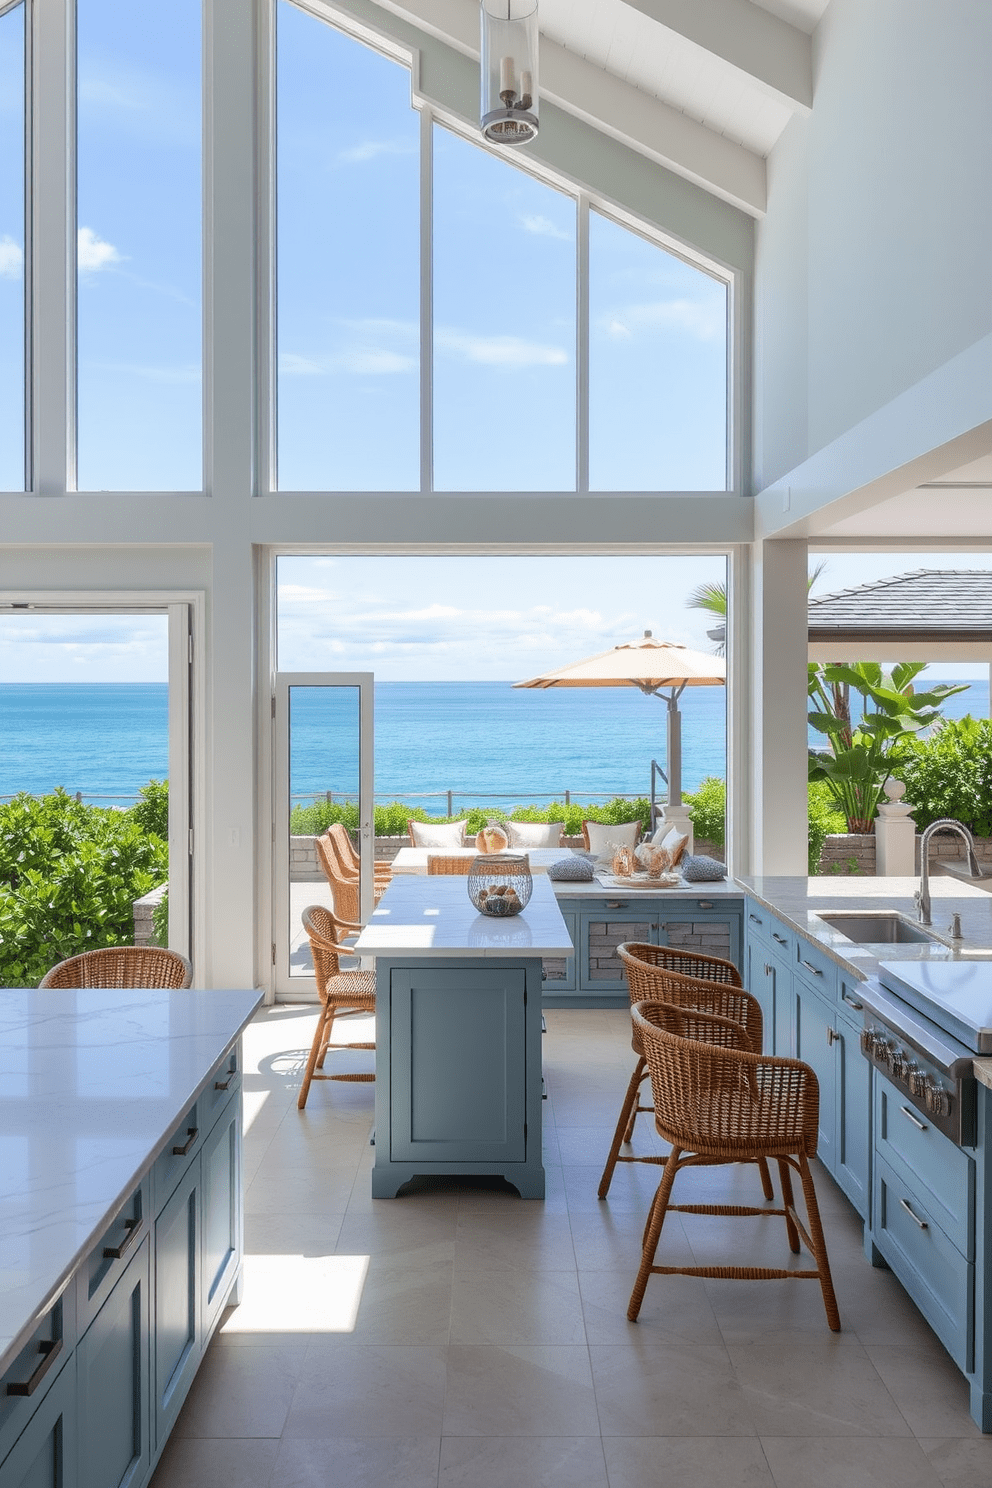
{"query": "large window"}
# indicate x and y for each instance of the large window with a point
(492, 363)
(12, 361)
(139, 246)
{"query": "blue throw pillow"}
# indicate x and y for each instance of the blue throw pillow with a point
(702, 869)
(571, 870)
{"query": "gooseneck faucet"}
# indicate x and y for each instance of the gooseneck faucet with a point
(946, 824)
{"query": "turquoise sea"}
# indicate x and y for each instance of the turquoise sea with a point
(482, 741)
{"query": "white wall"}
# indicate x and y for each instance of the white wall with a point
(872, 262)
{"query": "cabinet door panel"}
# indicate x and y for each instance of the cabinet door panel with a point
(112, 1375)
(559, 971)
(714, 935)
(177, 1349)
(459, 1085)
(45, 1453)
(600, 932)
(815, 1040)
(853, 1115)
(220, 1163)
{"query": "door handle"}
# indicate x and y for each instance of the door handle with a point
(114, 1252)
(50, 1350)
(914, 1217)
(192, 1132)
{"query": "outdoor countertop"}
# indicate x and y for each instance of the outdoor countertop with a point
(92, 1084)
(431, 917)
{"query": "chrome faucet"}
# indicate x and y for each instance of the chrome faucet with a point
(946, 824)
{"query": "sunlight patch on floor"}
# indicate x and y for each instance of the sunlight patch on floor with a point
(299, 1294)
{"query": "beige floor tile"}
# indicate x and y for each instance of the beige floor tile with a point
(686, 1462)
(278, 1190)
(815, 1389)
(779, 1314)
(404, 1304)
(678, 1309)
(358, 1390)
(242, 1392)
(524, 1237)
(191, 1463)
(503, 1306)
(690, 1389)
(960, 1462)
(609, 1239)
(308, 1234)
(846, 1462)
(418, 1232)
(927, 1387)
(539, 1462)
(519, 1391)
(356, 1462)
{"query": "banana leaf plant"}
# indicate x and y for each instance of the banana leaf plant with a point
(864, 751)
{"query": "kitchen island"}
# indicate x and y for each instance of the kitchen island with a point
(458, 1033)
(120, 1220)
(892, 1031)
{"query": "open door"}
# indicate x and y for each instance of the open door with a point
(323, 755)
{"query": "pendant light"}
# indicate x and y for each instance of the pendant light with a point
(509, 71)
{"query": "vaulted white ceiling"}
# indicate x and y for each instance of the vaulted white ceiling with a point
(705, 87)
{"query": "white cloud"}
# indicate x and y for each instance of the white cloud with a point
(92, 253)
(371, 149)
(11, 258)
(499, 351)
(366, 352)
(544, 228)
(704, 322)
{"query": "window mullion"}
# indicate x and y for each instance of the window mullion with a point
(582, 345)
(426, 300)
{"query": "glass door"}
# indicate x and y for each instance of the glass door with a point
(324, 775)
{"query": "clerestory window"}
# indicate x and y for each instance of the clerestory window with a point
(448, 319)
(12, 214)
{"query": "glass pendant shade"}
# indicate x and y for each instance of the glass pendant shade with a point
(509, 71)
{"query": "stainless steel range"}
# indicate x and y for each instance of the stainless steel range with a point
(924, 1024)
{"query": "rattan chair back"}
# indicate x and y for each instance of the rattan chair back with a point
(348, 856)
(344, 887)
(449, 863)
(122, 966)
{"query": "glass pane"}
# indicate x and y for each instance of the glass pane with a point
(324, 754)
(657, 367)
(504, 325)
(12, 250)
(349, 264)
(139, 254)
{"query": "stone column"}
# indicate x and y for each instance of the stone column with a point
(895, 835)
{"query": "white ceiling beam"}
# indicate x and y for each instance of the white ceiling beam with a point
(701, 155)
(771, 53)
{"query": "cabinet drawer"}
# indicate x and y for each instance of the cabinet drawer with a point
(222, 1084)
(98, 1274)
(45, 1451)
(816, 968)
(32, 1373)
(180, 1150)
(933, 1271)
(940, 1173)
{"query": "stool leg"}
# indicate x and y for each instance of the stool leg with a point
(788, 1201)
(319, 1042)
(819, 1244)
(629, 1103)
(656, 1218)
(766, 1178)
(629, 1131)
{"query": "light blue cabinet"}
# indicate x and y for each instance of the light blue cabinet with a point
(222, 1218)
(816, 1036)
(113, 1366)
(177, 1282)
(45, 1452)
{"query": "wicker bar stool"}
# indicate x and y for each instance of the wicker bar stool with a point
(449, 863)
(717, 1102)
(348, 856)
(121, 966)
(688, 979)
(340, 992)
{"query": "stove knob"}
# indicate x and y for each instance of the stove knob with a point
(938, 1101)
(868, 1041)
(899, 1064)
(918, 1080)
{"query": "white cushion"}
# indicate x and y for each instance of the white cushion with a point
(535, 834)
(438, 834)
(674, 841)
(605, 836)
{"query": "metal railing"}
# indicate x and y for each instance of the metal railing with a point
(473, 797)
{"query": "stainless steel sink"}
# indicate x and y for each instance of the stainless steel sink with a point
(877, 927)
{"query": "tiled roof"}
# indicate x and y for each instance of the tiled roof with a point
(941, 603)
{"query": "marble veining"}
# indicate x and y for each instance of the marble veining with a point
(422, 916)
(92, 1085)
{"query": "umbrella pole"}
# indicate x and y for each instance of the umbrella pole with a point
(674, 750)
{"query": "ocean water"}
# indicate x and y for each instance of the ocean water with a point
(482, 741)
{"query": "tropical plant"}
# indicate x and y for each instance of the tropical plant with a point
(863, 752)
(708, 810)
(69, 875)
(950, 774)
(708, 806)
(151, 811)
(160, 920)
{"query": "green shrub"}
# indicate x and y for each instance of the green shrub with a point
(391, 819)
(824, 819)
(152, 810)
(708, 810)
(69, 875)
(950, 774)
(160, 921)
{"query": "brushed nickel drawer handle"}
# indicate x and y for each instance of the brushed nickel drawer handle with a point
(845, 997)
(192, 1132)
(114, 1252)
(755, 918)
(914, 1119)
(706, 904)
(914, 1217)
(810, 967)
(50, 1350)
(780, 938)
(618, 903)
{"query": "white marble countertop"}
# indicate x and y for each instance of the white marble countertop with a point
(430, 917)
(92, 1084)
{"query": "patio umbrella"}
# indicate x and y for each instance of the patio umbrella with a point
(652, 666)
